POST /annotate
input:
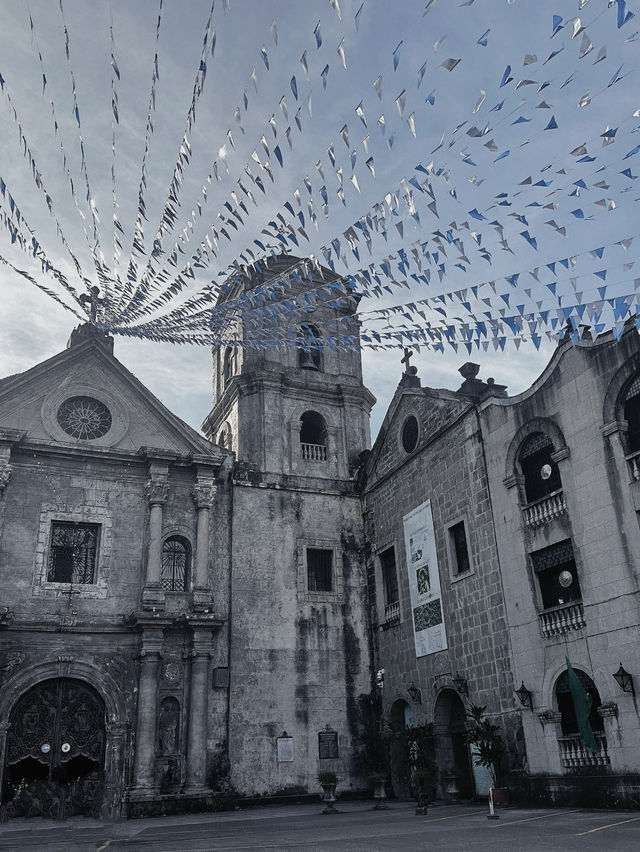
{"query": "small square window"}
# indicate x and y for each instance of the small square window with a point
(459, 549)
(72, 552)
(319, 569)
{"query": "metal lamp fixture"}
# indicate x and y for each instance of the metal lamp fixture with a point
(624, 680)
(461, 684)
(525, 696)
(415, 693)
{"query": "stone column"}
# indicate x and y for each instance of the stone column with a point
(157, 493)
(203, 496)
(117, 738)
(198, 712)
(145, 753)
(4, 729)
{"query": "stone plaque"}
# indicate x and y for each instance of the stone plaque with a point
(327, 745)
(285, 749)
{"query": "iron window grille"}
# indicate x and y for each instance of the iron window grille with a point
(176, 558)
(319, 570)
(72, 552)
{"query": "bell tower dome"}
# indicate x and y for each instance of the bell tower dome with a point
(288, 396)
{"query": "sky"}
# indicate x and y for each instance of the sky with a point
(505, 216)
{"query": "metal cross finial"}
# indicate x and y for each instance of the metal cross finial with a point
(408, 354)
(94, 300)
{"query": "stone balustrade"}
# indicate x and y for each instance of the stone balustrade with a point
(574, 754)
(545, 510)
(314, 452)
(392, 612)
(633, 461)
(562, 619)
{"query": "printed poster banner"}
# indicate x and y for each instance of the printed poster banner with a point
(424, 581)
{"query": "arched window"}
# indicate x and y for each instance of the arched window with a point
(565, 703)
(176, 563)
(313, 436)
(224, 438)
(540, 471)
(632, 414)
(228, 365)
(310, 347)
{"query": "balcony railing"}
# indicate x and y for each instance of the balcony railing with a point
(574, 754)
(562, 619)
(633, 461)
(545, 510)
(314, 452)
(392, 612)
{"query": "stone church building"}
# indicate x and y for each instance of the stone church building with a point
(186, 617)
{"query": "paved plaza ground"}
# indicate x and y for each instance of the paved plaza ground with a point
(357, 827)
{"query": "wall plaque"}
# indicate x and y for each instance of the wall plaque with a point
(327, 744)
(285, 749)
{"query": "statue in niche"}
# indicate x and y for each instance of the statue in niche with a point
(168, 725)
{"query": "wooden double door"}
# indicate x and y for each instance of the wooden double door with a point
(54, 756)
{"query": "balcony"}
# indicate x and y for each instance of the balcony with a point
(633, 460)
(314, 452)
(542, 511)
(573, 753)
(392, 613)
(562, 619)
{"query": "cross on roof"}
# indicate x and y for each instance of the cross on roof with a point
(94, 300)
(408, 354)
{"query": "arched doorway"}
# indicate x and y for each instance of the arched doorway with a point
(452, 751)
(54, 764)
(400, 718)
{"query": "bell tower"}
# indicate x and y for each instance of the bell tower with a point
(288, 398)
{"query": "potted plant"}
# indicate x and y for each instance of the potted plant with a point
(486, 739)
(420, 764)
(328, 781)
(377, 781)
(373, 754)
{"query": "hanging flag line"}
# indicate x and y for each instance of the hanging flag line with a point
(41, 287)
(184, 156)
(203, 250)
(37, 177)
(102, 270)
(13, 222)
(58, 137)
(138, 235)
(115, 119)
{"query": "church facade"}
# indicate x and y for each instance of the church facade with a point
(186, 617)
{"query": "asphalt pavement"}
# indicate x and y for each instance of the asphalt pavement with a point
(357, 827)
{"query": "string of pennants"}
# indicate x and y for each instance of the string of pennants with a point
(403, 241)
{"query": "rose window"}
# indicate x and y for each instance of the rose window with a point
(84, 417)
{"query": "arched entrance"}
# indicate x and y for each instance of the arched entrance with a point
(400, 718)
(54, 758)
(452, 751)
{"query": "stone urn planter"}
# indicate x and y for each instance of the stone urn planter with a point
(378, 781)
(328, 782)
(450, 787)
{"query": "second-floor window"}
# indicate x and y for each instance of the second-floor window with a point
(555, 567)
(72, 552)
(540, 471)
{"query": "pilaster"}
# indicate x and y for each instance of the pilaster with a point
(198, 711)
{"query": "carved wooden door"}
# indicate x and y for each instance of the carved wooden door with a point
(55, 750)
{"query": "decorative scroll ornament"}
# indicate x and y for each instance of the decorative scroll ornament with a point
(157, 491)
(203, 495)
(5, 475)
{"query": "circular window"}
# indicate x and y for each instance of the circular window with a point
(84, 417)
(410, 434)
